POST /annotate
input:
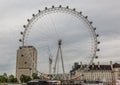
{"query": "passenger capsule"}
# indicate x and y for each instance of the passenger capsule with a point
(74, 9)
(20, 40)
(80, 12)
(28, 20)
(21, 33)
(33, 15)
(45, 8)
(24, 26)
(94, 28)
(96, 57)
(67, 7)
(53, 6)
(97, 35)
(98, 42)
(91, 22)
(86, 17)
(60, 6)
(98, 49)
(39, 11)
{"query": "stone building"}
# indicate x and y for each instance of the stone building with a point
(102, 73)
(26, 62)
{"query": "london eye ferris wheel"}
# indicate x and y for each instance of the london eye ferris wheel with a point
(62, 35)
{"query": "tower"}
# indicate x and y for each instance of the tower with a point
(26, 62)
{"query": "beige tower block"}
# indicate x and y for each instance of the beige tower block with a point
(26, 62)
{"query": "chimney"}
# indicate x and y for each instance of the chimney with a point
(111, 65)
(98, 64)
(93, 64)
(81, 66)
(72, 67)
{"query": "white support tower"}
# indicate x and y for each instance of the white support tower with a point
(59, 54)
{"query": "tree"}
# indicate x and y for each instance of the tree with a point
(35, 76)
(5, 75)
(3, 79)
(25, 78)
(12, 79)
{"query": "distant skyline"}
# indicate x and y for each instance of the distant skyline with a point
(105, 15)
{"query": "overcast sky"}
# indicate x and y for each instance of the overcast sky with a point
(105, 15)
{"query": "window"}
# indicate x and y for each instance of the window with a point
(25, 62)
(22, 55)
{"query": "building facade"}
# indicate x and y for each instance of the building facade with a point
(26, 62)
(102, 73)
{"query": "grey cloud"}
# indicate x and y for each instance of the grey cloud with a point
(105, 15)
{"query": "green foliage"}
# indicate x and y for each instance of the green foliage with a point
(5, 79)
(12, 79)
(24, 78)
(5, 75)
(35, 76)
